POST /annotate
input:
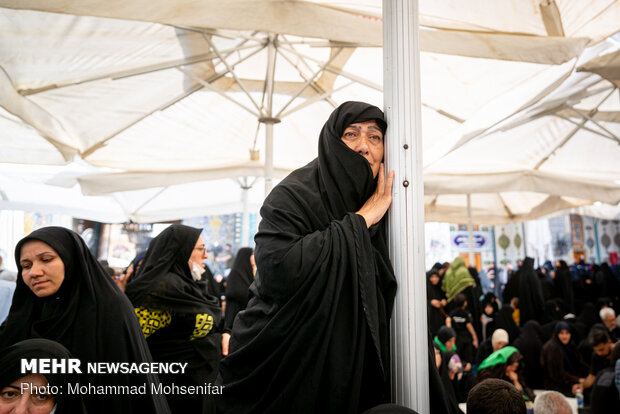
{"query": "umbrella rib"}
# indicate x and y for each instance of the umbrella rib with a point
(309, 81)
(148, 201)
(589, 118)
(208, 85)
(552, 111)
(232, 72)
(226, 34)
(444, 113)
(181, 62)
(313, 85)
(340, 72)
(585, 128)
(244, 183)
(314, 99)
(196, 88)
(102, 143)
(243, 59)
(573, 132)
(551, 17)
(131, 72)
(269, 83)
(510, 214)
(219, 92)
(329, 43)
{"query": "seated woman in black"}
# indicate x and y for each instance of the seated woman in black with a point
(562, 364)
(506, 364)
(177, 314)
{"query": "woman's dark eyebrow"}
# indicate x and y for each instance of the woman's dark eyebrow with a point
(11, 386)
(38, 255)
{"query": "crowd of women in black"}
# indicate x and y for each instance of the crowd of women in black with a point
(554, 327)
(314, 337)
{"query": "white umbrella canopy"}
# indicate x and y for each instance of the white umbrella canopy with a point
(25, 188)
(608, 66)
(598, 210)
(55, 189)
(109, 91)
(187, 200)
(495, 208)
(179, 87)
(543, 31)
(565, 145)
(99, 87)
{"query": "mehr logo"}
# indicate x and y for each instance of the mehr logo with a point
(50, 366)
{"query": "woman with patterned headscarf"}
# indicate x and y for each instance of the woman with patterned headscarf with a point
(177, 314)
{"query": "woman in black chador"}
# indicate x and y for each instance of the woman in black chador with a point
(177, 314)
(315, 335)
(563, 286)
(531, 300)
(63, 294)
(561, 362)
(436, 302)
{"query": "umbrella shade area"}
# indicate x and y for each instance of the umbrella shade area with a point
(168, 96)
(144, 96)
(55, 190)
(563, 147)
(188, 200)
(23, 187)
(499, 208)
(598, 210)
(608, 66)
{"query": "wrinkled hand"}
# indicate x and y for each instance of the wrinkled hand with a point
(225, 341)
(375, 207)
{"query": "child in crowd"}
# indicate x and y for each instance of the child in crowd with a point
(460, 319)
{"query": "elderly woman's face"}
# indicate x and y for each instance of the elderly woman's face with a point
(199, 254)
(43, 270)
(24, 396)
(366, 139)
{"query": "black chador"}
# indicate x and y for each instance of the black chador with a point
(315, 335)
